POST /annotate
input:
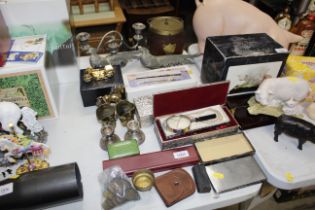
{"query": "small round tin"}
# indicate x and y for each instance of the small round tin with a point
(143, 180)
(166, 35)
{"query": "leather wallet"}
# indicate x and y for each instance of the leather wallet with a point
(174, 186)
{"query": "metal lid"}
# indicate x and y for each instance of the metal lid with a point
(166, 25)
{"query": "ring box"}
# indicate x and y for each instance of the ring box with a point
(198, 98)
(244, 60)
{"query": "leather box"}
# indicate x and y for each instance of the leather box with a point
(178, 102)
(245, 60)
(156, 161)
(175, 186)
(90, 91)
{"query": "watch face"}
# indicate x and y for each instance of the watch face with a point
(178, 123)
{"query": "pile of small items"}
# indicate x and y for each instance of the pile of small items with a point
(22, 139)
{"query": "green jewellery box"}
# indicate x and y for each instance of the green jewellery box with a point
(123, 149)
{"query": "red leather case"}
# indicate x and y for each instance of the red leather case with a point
(156, 161)
(188, 100)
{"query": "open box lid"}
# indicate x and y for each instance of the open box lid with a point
(190, 99)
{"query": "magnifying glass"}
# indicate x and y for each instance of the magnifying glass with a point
(180, 124)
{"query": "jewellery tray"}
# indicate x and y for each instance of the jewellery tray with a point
(188, 100)
(244, 60)
(156, 161)
(90, 91)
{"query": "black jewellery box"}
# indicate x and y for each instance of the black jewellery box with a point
(93, 89)
(202, 107)
(244, 60)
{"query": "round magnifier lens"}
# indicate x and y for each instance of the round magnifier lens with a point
(178, 123)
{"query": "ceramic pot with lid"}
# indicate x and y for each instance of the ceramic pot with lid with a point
(166, 35)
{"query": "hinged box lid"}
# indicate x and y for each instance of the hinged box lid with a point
(190, 99)
(245, 60)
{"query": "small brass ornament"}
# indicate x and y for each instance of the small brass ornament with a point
(91, 74)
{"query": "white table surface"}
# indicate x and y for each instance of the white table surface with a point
(285, 166)
(74, 137)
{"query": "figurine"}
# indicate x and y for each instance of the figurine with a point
(287, 92)
(10, 119)
(10, 114)
(295, 127)
(98, 74)
(229, 17)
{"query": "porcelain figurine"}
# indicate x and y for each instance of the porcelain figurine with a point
(10, 114)
(295, 127)
(287, 92)
(30, 121)
(231, 17)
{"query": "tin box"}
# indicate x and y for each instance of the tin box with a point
(234, 174)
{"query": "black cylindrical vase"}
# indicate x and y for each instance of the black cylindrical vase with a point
(43, 188)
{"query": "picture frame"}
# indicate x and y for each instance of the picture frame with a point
(31, 83)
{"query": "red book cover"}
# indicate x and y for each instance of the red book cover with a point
(156, 161)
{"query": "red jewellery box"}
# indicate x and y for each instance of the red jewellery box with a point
(156, 161)
(201, 107)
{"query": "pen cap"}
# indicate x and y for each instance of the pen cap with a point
(42, 188)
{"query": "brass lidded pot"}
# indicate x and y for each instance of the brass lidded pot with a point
(166, 35)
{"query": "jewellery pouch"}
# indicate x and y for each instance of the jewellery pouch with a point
(174, 186)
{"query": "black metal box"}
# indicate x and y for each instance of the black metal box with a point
(90, 91)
